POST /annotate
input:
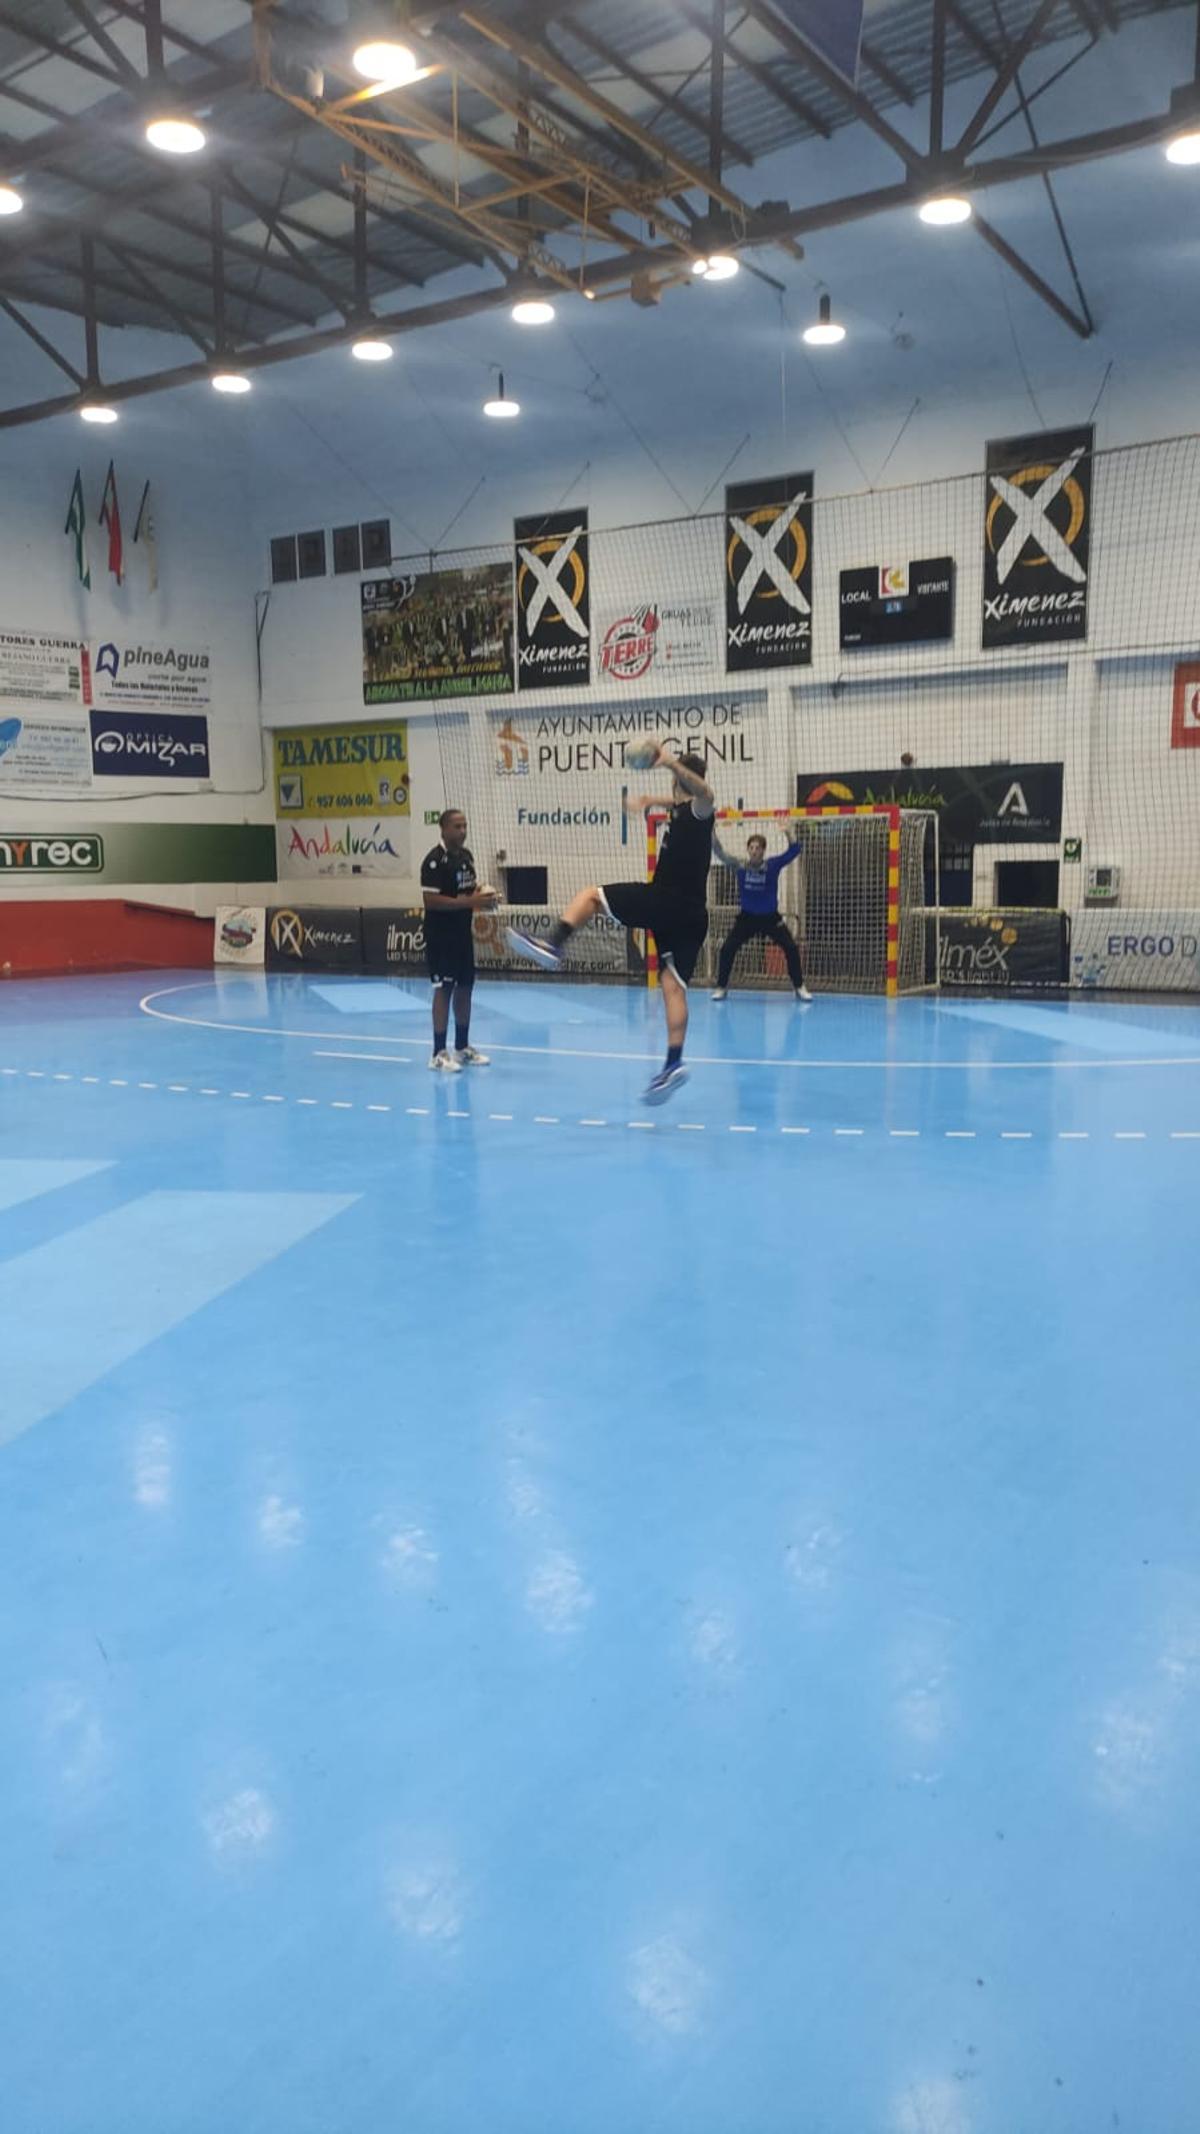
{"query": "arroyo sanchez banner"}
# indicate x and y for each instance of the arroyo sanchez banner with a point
(980, 804)
(553, 600)
(438, 634)
(768, 573)
(1037, 538)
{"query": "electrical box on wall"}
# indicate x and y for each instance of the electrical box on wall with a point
(1102, 885)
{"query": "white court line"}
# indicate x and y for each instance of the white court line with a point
(685, 1126)
(379, 1107)
(178, 1089)
(64, 1077)
(83, 1077)
(960, 1133)
(795, 1129)
(417, 1111)
(848, 1129)
(1068, 1136)
(301, 1100)
(388, 1059)
(240, 1093)
(340, 1104)
(743, 1129)
(115, 1082)
(210, 1092)
(905, 1133)
(16, 1070)
(37, 1074)
(1013, 1136)
(642, 1126)
(449, 1114)
(565, 1052)
(1186, 1134)
(583, 1122)
(1129, 1137)
(543, 1118)
(274, 1100)
(147, 1085)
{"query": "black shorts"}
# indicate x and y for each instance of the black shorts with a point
(679, 927)
(450, 959)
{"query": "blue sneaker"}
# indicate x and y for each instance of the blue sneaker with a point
(664, 1084)
(533, 950)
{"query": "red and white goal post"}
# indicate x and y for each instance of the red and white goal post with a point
(856, 899)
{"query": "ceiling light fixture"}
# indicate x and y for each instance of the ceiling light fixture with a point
(230, 381)
(718, 267)
(532, 311)
(97, 411)
(175, 135)
(383, 61)
(11, 202)
(945, 209)
(370, 350)
(500, 407)
(826, 333)
(1184, 148)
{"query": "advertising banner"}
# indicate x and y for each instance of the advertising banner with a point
(58, 852)
(666, 637)
(319, 937)
(361, 769)
(1037, 538)
(127, 672)
(980, 804)
(148, 744)
(553, 600)
(768, 573)
(438, 634)
(342, 847)
(240, 934)
(394, 939)
(896, 604)
(39, 668)
(995, 949)
(1139, 951)
(44, 755)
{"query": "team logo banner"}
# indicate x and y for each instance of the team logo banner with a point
(976, 804)
(768, 573)
(1037, 538)
(145, 744)
(553, 600)
(438, 634)
(329, 938)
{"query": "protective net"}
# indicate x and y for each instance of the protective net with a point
(1013, 656)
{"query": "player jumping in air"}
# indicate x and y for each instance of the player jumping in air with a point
(673, 907)
(452, 897)
(759, 915)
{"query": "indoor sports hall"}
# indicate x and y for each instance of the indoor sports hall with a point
(599, 1067)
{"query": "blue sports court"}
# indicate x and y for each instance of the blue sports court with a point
(522, 1612)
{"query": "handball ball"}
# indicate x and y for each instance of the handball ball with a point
(642, 755)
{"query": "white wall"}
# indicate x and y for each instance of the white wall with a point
(207, 571)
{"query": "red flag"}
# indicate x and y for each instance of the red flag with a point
(110, 516)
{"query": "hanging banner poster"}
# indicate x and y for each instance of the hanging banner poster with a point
(663, 637)
(149, 744)
(438, 634)
(554, 643)
(37, 668)
(768, 573)
(360, 769)
(44, 755)
(1037, 538)
(341, 847)
(976, 804)
(126, 673)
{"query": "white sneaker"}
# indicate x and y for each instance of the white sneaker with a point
(802, 993)
(722, 993)
(445, 1063)
(467, 1056)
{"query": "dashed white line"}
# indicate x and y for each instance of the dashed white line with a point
(1129, 1137)
(210, 1092)
(16, 1070)
(1067, 1135)
(641, 1126)
(301, 1100)
(115, 1082)
(505, 1117)
(178, 1089)
(1186, 1134)
(274, 1100)
(905, 1133)
(379, 1107)
(35, 1074)
(1013, 1135)
(545, 1118)
(795, 1129)
(147, 1085)
(417, 1111)
(449, 1114)
(743, 1129)
(340, 1104)
(688, 1126)
(245, 1093)
(83, 1077)
(64, 1078)
(848, 1130)
(960, 1133)
(389, 1059)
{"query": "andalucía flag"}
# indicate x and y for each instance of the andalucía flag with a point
(144, 536)
(77, 525)
(110, 516)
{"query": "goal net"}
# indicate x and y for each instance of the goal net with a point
(859, 898)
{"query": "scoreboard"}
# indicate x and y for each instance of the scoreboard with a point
(897, 604)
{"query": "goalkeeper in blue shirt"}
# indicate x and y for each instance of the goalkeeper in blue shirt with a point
(759, 915)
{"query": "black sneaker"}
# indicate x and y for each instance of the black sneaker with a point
(533, 950)
(664, 1084)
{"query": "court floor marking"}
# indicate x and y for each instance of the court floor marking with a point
(683, 1126)
(573, 1052)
